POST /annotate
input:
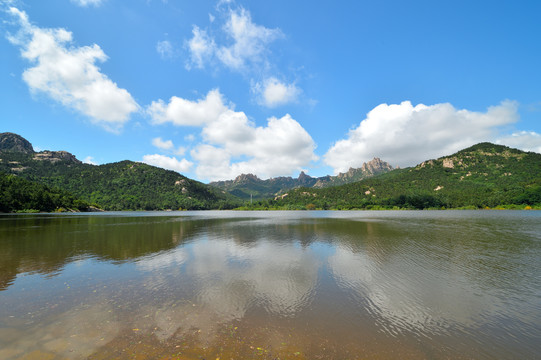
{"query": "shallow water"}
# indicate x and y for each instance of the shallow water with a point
(271, 285)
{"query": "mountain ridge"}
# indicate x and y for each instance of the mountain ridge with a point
(249, 185)
(123, 185)
(483, 175)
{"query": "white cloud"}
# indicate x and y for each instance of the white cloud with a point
(180, 151)
(273, 93)
(213, 163)
(188, 113)
(89, 160)
(169, 163)
(168, 145)
(232, 144)
(85, 3)
(243, 46)
(405, 135)
(201, 48)
(250, 40)
(248, 46)
(524, 140)
(280, 148)
(161, 144)
(165, 49)
(69, 74)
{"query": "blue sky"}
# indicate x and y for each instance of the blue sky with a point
(213, 89)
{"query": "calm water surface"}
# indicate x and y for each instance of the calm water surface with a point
(271, 285)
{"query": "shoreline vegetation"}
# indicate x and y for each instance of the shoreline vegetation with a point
(256, 207)
(386, 208)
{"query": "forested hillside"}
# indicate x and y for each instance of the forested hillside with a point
(124, 185)
(18, 194)
(484, 175)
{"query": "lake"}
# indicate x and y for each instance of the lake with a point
(271, 285)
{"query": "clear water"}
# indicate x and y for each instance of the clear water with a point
(271, 285)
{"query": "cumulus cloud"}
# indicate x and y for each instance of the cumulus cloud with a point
(167, 145)
(169, 163)
(279, 148)
(69, 74)
(86, 3)
(405, 135)
(184, 112)
(161, 144)
(524, 140)
(272, 92)
(232, 144)
(248, 43)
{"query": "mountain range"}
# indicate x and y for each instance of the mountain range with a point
(247, 186)
(483, 175)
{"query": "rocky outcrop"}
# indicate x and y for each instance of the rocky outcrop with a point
(56, 156)
(373, 167)
(305, 180)
(244, 178)
(376, 166)
(15, 143)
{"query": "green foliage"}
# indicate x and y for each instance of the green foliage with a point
(19, 195)
(124, 185)
(485, 175)
(251, 187)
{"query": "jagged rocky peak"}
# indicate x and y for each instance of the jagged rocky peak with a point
(15, 143)
(373, 167)
(303, 176)
(376, 165)
(350, 173)
(305, 180)
(242, 178)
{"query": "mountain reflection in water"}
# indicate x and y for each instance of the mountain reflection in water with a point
(292, 284)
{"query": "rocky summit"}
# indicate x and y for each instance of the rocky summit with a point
(10, 142)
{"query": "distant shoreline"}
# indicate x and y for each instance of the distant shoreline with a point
(499, 208)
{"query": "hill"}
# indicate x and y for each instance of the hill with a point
(246, 186)
(484, 175)
(124, 185)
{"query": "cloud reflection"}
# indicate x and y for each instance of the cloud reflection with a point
(229, 278)
(404, 294)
